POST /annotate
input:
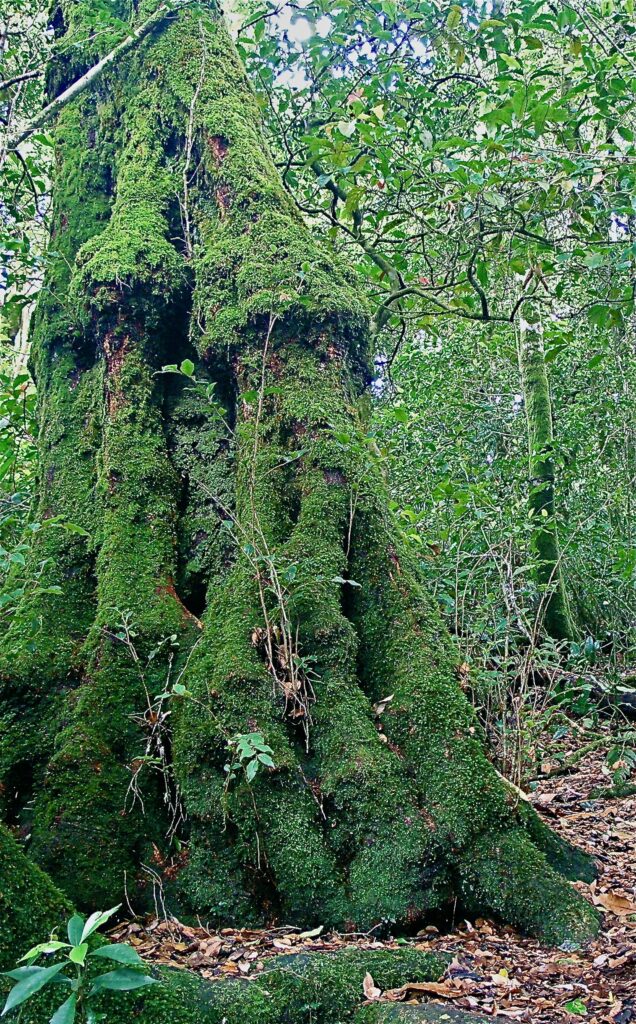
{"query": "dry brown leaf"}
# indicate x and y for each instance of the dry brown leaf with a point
(618, 905)
(433, 988)
(371, 992)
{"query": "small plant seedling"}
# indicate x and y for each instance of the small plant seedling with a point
(249, 751)
(83, 984)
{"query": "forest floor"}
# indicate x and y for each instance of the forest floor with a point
(494, 971)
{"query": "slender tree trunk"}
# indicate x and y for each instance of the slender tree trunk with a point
(243, 576)
(545, 543)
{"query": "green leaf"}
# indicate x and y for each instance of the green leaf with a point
(454, 17)
(32, 982)
(266, 760)
(44, 947)
(123, 980)
(19, 973)
(187, 367)
(251, 770)
(78, 953)
(73, 528)
(250, 397)
(346, 128)
(74, 929)
(577, 1006)
(96, 920)
(65, 1014)
(594, 260)
(120, 951)
(341, 579)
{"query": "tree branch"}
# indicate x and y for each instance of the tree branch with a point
(19, 78)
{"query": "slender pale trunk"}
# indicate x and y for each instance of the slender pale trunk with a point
(554, 605)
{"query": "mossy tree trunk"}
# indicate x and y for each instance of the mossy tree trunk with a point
(555, 608)
(239, 546)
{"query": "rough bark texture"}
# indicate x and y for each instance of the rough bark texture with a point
(545, 542)
(240, 544)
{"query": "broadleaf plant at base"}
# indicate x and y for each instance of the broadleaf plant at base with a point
(257, 541)
(73, 971)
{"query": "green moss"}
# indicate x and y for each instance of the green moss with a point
(566, 859)
(99, 809)
(471, 811)
(257, 259)
(373, 822)
(86, 37)
(507, 874)
(271, 823)
(425, 1013)
(316, 989)
(40, 654)
(30, 905)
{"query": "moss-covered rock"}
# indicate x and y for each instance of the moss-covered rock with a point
(427, 1013)
(322, 988)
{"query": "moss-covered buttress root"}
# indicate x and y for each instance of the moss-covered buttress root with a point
(30, 904)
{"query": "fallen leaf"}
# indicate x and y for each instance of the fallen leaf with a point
(369, 988)
(434, 988)
(618, 905)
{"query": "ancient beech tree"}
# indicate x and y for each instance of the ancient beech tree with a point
(236, 571)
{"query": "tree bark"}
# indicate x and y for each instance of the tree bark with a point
(240, 547)
(545, 543)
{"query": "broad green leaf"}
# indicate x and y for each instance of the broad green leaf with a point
(36, 979)
(78, 953)
(19, 973)
(119, 951)
(187, 367)
(73, 528)
(343, 581)
(123, 980)
(454, 17)
(96, 920)
(44, 947)
(65, 1014)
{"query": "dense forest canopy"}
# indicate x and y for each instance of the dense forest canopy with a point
(317, 450)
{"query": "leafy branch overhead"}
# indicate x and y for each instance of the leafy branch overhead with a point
(472, 167)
